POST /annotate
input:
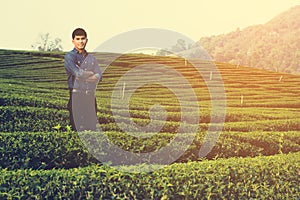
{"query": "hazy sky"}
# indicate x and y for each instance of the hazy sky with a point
(23, 21)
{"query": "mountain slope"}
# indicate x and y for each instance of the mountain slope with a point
(273, 46)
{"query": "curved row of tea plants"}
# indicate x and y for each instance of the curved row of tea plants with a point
(274, 177)
(262, 118)
(47, 150)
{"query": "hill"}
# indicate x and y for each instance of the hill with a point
(273, 46)
(255, 157)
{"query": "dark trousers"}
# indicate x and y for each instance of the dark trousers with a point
(82, 111)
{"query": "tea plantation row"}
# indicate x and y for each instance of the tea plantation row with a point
(40, 159)
(273, 177)
(48, 150)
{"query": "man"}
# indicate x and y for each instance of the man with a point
(83, 73)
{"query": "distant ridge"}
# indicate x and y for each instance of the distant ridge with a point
(272, 46)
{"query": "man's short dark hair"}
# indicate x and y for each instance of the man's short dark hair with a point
(79, 32)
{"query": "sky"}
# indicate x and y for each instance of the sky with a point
(22, 22)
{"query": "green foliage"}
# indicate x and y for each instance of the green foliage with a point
(24, 100)
(40, 160)
(274, 177)
(49, 150)
(43, 150)
(14, 118)
(270, 142)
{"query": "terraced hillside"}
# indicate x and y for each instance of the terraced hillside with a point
(256, 155)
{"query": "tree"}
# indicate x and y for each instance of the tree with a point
(179, 46)
(163, 52)
(45, 43)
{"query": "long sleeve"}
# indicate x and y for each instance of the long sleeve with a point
(97, 70)
(71, 66)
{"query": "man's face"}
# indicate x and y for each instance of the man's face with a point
(79, 42)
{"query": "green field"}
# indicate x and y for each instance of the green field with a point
(255, 157)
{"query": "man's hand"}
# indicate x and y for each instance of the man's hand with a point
(85, 75)
(92, 79)
(88, 76)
